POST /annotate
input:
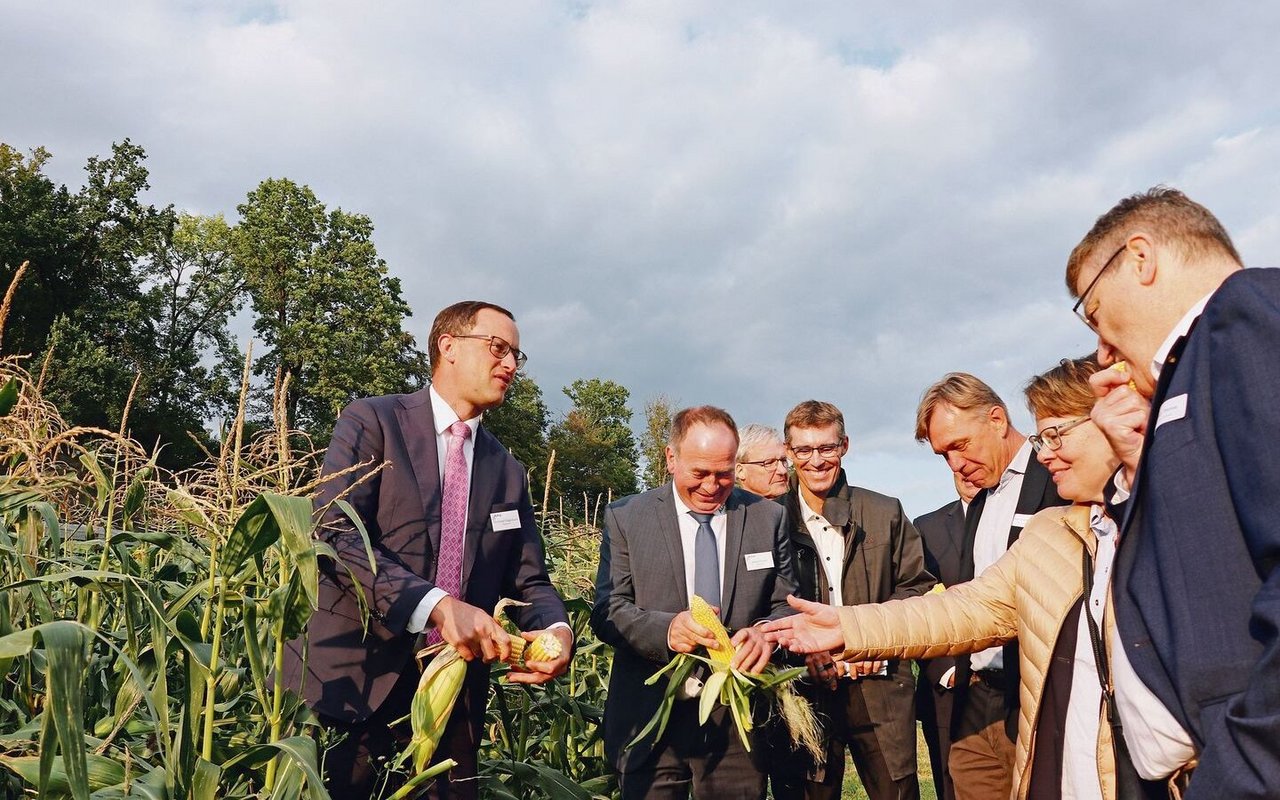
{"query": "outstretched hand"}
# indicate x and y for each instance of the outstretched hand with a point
(816, 629)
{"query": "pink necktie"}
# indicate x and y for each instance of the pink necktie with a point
(453, 516)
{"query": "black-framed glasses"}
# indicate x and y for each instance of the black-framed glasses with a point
(768, 463)
(1087, 319)
(1051, 437)
(804, 453)
(498, 346)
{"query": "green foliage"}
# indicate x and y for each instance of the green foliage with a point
(328, 313)
(653, 442)
(142, 614)
(595, 449)
(520, 423)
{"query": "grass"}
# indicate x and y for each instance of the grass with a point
(853, 790)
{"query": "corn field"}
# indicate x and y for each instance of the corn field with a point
(143, 616)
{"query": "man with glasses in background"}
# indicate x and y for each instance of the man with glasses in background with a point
(1196, 641)
(966, 422)
(762, 461)
(852, 546)
(451, 530)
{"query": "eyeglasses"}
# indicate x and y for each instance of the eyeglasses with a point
(1051, 437)
(768, 463)
(804, 453)
(498, 346)
(1087, 319)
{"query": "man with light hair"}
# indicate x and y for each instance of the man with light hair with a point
(762, 461)
(966, 422)
(1195, 649)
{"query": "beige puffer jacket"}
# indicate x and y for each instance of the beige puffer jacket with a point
(1026, 594)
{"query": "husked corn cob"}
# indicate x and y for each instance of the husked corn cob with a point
(1123, 368)
(544, 648)
(705, 616)
(433, 703)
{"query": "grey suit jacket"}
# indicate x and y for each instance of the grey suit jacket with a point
(640, 588)
(347, 672)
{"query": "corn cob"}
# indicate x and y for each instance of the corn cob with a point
(705, 616)
(1123, 368)
(544, 648)
(433, 702)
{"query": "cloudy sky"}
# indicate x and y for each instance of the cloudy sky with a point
(747, 204)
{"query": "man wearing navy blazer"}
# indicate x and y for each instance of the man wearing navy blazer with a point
(1195, 653)
(651, 561)
(942, 532)
(419, 521)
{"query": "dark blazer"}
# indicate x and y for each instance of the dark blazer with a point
(1038, 492)
(942, 532)
(347, 673)
(1195, 584)
(883, 560)
(640, 588)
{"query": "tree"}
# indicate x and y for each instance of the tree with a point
(595, 449)
(520, 423)
(328, 314)
(653, 442)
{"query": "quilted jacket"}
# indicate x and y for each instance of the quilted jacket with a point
(1026, 594)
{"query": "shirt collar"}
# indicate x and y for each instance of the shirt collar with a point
(1179, 330)
(445, 416)
(1018, 466)
(809, 513)
(1102, 525)
(683, 510)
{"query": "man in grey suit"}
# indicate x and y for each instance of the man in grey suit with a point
(694, 535)
(451, 529)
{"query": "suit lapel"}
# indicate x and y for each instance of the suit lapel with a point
(669, 531)
(417, 425)
(1035, 480)
(734, 530)
(483, 489)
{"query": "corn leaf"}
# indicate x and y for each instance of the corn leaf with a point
(8, 397)
(102, 773)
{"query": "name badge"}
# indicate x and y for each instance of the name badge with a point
(1171, 409)
(762, 560)
(505, 520)
(1021, 520)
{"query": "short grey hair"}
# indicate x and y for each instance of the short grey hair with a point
(756, 434)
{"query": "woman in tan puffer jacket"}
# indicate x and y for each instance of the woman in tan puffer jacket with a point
(1035, 592)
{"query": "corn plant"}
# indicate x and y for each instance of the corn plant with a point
(143, 615)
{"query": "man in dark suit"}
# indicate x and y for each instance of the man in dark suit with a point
(1196, 651)
(451, 529)
(942, 532)
(694, 535)
(966, 422)
(852, 546)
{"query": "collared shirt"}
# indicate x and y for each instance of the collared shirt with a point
(1080, 739)
(991, 539)
(444, 417)
(830, 544)
(688, 539)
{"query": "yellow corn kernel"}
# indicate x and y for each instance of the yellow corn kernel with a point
(705, 616)
(544, 648)
(1123, 368)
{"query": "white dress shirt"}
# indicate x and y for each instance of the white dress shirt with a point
(991, 539)
(1080, 739)
(830, 544)
(688, 540)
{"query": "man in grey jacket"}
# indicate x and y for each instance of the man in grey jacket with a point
(852, 546)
